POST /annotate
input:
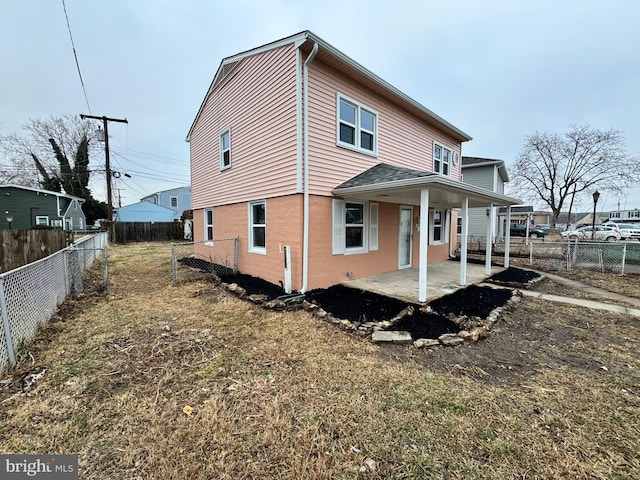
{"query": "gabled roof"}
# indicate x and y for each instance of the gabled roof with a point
(45, 192)
(335, 58)
(471, 162)
(167, 191)
(388, 183)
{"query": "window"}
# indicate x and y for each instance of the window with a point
(353, 230)
(441, 159)
(173, 201)
(354, 224)
(436, 227)
(257, 227)
(208, 225)
(225, 149)
(357, 126)
(42, 220)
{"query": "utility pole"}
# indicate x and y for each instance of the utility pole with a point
(105, 121)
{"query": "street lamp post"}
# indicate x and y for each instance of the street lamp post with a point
(9, 220)
(596, 196)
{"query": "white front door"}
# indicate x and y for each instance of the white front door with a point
(405, 237)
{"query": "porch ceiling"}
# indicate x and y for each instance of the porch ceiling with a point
(388, 183)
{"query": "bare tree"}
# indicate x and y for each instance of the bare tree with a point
(560, 168)
(53, 154)
(37, 157)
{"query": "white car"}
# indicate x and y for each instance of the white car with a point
(602, 232)
(627, 230)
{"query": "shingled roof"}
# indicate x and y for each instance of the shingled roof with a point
(383, 173)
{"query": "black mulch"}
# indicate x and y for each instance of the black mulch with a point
(514, 275)
(360, 306)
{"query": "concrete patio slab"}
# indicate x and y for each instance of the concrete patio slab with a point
(442, 279)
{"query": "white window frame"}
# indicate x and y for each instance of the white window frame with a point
(369, 226)
(171, 200)
(443, 149)
(208, 226)
(358, 128)
(42, 220)
(226, 132)
(442, 226)
(252, 247)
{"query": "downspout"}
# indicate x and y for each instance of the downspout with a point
(305, 159)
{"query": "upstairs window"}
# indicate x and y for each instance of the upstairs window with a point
(225, 149)
(173, 201)
(441, 159)
(357, 126)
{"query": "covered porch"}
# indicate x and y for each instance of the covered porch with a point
(429, 190)
(443, 279)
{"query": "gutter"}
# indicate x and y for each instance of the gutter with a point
(305, 159)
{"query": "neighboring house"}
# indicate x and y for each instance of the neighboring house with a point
(144, 212)
(177, 199)
(299, 151)
(28, 207)
(490, 174)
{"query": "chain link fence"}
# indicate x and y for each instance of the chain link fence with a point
(31, 294)
(607, 257)
(219, 256)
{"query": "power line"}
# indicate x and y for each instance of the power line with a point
(75, 55)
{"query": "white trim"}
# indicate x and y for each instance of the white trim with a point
(442, 163)
(373, 226)
(299, 87)
(358, 129)
(410, 208)
(364, 248)
(42, 217)
(221, 135)
(432, 222)
(337, 226)
(208, 241)
(252, 247)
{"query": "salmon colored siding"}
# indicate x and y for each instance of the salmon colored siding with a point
(257, 102)
(403, 139)
(284, 227)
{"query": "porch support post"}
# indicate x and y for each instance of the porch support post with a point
(489, 246)
(424, 236)
(507, 237)
(464, 212)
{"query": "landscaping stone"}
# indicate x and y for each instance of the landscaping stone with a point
(426, 342)
(391, 336)
(258, 298)
(450, 339)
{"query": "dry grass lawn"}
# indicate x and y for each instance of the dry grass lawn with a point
(158, 381)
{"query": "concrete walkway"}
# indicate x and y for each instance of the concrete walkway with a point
(583, 302)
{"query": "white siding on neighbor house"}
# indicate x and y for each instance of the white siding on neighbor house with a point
(257, 102)
(403, 139)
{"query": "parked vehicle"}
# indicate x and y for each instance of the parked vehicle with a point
(602, 232)
(518, 230)
(627, 230)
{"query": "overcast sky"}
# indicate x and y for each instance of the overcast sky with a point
(498, 70)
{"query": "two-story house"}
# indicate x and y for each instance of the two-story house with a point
(177, 199)
(28, 207)
(323, 170)
(490, 174)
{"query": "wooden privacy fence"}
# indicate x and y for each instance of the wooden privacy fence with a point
(20, 247)
(147, 231)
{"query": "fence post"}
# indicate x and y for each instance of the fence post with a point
(236, 241)
(174, 270)
(6, 325)
(530, 253)
(624, 257)
(105, 259)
